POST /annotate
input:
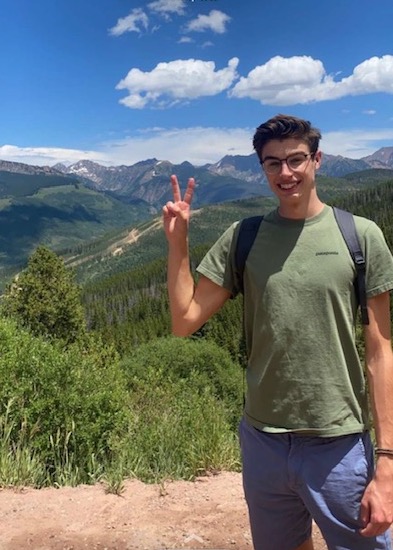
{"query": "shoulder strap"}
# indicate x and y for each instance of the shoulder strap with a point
(347, 227)
(246, 236)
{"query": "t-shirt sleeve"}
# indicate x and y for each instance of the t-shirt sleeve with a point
(379, 261)
(218, 264)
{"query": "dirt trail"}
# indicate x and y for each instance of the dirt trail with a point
(208, 513)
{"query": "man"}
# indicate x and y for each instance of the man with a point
(304, 436)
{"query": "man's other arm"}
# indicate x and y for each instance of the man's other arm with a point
(377, 502)
(191, 306)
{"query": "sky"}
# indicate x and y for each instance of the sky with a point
(122, 81)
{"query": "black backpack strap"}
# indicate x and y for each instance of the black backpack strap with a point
(347, 227)
(246, 236)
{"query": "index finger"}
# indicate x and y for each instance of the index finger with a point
(175, 189)
(189, 191)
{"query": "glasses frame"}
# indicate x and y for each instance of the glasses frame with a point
(307, 156)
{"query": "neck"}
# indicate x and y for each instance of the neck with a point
(301, 210)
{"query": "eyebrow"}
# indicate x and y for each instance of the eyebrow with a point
(269, 157)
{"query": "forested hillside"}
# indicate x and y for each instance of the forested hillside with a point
(57, 211)
(138, 245)
(376, 204)
(100, 235)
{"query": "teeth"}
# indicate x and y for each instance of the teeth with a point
(287, 185)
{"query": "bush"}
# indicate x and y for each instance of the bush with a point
(178, 431)
(72, 405)
(186, 403)
(202, 363)
(75, 415)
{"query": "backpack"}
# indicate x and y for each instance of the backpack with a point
(249, 228)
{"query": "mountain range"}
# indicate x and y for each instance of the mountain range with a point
(233, 177)
(148, 179)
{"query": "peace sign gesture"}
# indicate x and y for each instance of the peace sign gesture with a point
(176, 213)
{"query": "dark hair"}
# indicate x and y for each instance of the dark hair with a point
(284, 127)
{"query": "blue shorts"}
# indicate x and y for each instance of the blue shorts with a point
(291, 479)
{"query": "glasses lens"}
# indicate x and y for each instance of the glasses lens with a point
(296, 161)
(272, 166)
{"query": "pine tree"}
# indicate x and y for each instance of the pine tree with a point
(45, 298)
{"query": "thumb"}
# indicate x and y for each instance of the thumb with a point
(365, 515)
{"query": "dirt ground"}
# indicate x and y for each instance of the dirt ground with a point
(207, 513)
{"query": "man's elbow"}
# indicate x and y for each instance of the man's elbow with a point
(183, 328)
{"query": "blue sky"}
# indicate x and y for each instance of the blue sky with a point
(120, 81)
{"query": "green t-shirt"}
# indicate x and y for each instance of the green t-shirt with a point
(304, 373)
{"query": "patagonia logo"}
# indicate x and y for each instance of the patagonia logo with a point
(327, 253)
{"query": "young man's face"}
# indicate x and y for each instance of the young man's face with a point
(294, 180)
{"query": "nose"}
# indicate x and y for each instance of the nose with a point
(285, 170)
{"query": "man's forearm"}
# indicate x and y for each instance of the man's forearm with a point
(379, 363)
(180, 287)
(380, 377)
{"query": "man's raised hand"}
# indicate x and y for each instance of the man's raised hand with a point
(176, 213)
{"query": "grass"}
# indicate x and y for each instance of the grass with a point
(181, 440)
(19, 464)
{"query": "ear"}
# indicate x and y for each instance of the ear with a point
(318, 159)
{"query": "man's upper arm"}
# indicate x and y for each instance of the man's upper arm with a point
(209, 297)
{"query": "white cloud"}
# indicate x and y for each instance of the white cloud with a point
(369, 112)
(179, 80)
(356, 143)
(42, 156)
(185, 40)
(372, 75)
(137, 21)
(216, 21)
(197, 145)
(167, 7)
(302, 79)
(282, 81)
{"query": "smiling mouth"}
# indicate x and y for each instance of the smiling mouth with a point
(288, 186)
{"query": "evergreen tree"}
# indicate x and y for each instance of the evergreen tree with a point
(45, 298)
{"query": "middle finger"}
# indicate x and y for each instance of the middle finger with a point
(189, 191)
(175, 189)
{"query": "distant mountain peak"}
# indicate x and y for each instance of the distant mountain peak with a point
(380, 158)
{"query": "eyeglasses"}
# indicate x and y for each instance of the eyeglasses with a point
(295, 162)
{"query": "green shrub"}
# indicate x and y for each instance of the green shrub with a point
(72, 402)
(178, 431)
(186, 403)
(200, 362)
(75, 415)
